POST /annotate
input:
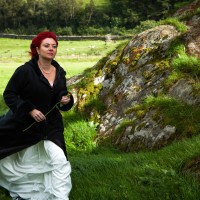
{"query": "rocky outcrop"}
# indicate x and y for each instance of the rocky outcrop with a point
(137, 75)
(131, 74)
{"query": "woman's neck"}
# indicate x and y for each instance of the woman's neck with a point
(45, 66)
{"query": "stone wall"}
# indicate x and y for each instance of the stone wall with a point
(107, 37)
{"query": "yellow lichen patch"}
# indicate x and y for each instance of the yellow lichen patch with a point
(162, 64)
(140, 114)
(126, 60)
(139, 111)
(136, 53)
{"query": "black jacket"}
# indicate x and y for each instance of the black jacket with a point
(28, 89)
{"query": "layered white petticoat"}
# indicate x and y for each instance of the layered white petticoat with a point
(40, 172)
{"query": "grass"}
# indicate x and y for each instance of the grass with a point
(79, 135)
(187, 64)
(109, 174)
(180, 26)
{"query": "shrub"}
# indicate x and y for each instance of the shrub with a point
(79, 134)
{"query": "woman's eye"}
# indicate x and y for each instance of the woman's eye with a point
(53, 46)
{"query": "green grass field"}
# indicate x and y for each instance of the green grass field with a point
(105, 173)
(73, 56)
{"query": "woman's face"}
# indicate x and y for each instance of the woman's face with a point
(47, 49)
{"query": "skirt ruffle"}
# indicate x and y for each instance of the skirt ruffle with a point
(40, 172)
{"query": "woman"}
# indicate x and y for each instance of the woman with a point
(34, 163)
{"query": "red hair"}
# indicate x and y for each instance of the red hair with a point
(37, 40)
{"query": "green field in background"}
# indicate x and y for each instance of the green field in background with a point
(73, 56)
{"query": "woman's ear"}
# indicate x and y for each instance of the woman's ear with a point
(38, 50)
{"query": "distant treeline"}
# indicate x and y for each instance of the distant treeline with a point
(74, 17)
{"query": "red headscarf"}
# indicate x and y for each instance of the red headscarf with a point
(37, 40)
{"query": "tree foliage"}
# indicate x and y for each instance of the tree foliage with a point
(76, 17)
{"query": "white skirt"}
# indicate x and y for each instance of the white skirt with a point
(40, 172)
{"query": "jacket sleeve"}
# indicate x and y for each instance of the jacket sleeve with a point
(12, 95)
(67, 106)
(64, 91)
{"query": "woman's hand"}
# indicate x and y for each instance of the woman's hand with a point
(65, 99)
(37, 115)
